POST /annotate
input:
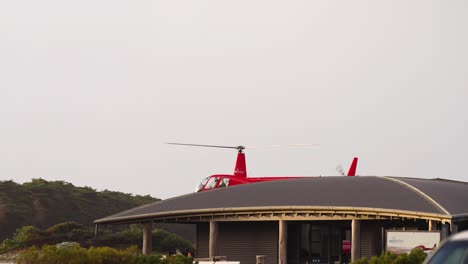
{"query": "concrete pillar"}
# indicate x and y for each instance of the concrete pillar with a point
(355, 240)
(432, 225)
(147, 238)
(282, 242)
(213, 242)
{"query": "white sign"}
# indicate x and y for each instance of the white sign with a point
(405, 241)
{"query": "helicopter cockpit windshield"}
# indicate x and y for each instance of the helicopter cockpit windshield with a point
(201, 184)
(212, 183)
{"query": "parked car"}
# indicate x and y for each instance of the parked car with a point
(453, 250)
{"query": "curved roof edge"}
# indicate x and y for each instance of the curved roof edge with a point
(275, 213)
(416, 190)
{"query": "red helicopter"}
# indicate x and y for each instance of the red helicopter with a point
(240, 172)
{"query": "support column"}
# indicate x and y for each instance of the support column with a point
(444, 232)
(432, 225)
(96, 230)
(453, 228)
(147, 238)
(355, 240)
(213, 243)
(282, 242)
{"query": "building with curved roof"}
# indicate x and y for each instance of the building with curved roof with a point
(309, 219)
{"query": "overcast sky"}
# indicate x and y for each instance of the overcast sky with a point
(91, 90)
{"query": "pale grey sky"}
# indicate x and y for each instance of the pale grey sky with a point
(90, 90)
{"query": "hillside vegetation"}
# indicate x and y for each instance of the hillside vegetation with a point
(42, 204)
(72, 232)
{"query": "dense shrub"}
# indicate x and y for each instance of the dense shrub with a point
(163, 241)
(107, 255)
(168, 242)
(23, 237)
(26, 234)
(75, 254)
(64, 227)
(416, 256)
(179, 260)
(53, 255)
(29, 256)
(150, 259)
(121, 239)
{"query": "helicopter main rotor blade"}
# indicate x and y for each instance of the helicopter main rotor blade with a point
(209, 146)
(281, 146)
(244, 147)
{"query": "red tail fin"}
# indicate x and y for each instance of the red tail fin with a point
(240, 170)
(352, 168)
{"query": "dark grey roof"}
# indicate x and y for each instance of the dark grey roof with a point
(434, 196)
(452, 195)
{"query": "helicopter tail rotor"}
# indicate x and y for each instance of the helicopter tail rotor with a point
(340, 170)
